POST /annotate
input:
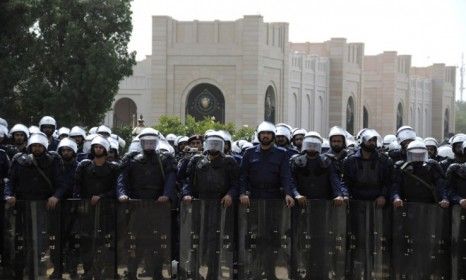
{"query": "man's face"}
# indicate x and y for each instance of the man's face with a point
(196, 144)
(99, 150)
(371, 144)
(78, 139)
(182, 145)
(281, 140)
(337, 143)
(404, 144)
(66, 153)
(266, 138)
(19, 138)
(37, 149)
(47, 129)
(298, 140)
(432, 150)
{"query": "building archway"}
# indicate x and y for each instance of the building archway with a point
(350, 115)
(269, 105)
(399, 116)
(124, 112)
(206, 100)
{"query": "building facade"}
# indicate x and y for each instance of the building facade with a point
(247, 71)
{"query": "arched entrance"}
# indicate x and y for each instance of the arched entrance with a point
(350, 115)
(206, 100)
(269, 105)
(399, 116)
(124, 112)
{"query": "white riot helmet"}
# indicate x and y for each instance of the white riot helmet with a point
(38, 138)
(445, 151)
(121, 141)
(113, 143)
(430, 141)
(266, 127)
(165, 147)
(149, 139)
(369, 134)
(34, 129)
(104, 131)
(464, 147)
(285, 125)
(325, 145)
(394, 146)
(3, 122)
(312, 142)
(283, 131)
(171, 138)
(87, 143)
(416, 152)
(214, 142)
(299, 131)
(93, 130)
(135, 146)
(226, 136)
(388, 139)
(47, 120)
(3, 131)
(77, 131)
(99, 140)
(458, 138)
(181, 139)
(64, 131)
(405, 133)
(68, 143)
(19, 128)
(338, 131)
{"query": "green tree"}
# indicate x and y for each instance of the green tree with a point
(78, 56)
(460, 116)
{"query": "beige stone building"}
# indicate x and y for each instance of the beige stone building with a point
(247, 71)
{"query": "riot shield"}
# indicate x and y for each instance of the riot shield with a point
(6, 242)
(368, 241)
(89, 239)
(458, 246)
(206, 235)
(35, 234)
(264, 240)
(421, 234)
(319, 241)
(144, 242)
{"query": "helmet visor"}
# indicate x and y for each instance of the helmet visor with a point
(417, 155)
(214, 144)
(311, 144)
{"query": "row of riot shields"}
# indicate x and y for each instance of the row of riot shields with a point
(78, 240)
(111, 240)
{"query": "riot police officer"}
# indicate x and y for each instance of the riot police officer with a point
(418, 179)
(20, 135)
(404, 136)
(297, 138)
(4, 166)
(78, 135)
(314, 175)
(366, 172)
(148, 175)
(283, 139)
(67, 150)
(456, 146)
(35, 175)
(456, 181)
(95, 180)
(432, 145)
(48, 125)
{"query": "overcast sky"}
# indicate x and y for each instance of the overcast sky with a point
(432, 31)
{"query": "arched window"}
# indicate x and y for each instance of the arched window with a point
(206, 100)
(365, 118)
(269, 105)
(399, 116)
(124, 112)
(350, 115)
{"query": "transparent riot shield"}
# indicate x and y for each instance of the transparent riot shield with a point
(368, 241)
(206, 235)
(89, 239)
(319, 241)
(144, 240)
(6, 242)
(264, 240)
(421, 234)
(35, 234)
(458, 246)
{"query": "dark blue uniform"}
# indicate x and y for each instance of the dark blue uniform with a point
(4, 166)
(69, 172)
(265, 173)
(366, 179)
(53, 145)
(419, 182)
(456, 182)
(315, 178)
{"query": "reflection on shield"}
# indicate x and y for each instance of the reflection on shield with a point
(368, 241)
(264, 240)
(144, 243)
(458, 243)
(421, 242)
(206, 240)
(319, 241)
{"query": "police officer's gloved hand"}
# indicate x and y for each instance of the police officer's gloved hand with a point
(289, 201)
(163, 199)
(11, 200)
(380, 201)
(244, 199)
(444, 203)
(227, 201)
(463, 203)
(397, 203)
(187, 198)
(339, 201)
(302, 201)
(123, 198)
